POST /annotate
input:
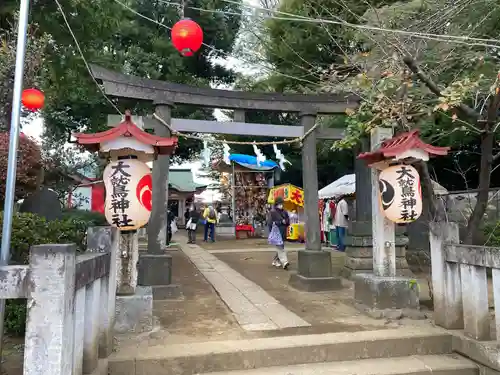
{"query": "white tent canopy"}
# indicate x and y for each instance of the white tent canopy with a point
(346, 185)
(343, 186)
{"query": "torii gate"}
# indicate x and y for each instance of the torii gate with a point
(314, 268)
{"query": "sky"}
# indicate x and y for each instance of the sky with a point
(35, 128)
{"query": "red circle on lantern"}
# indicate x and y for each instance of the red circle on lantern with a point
(187, 37)
(33, 99)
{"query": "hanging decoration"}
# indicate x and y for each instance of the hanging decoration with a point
(226, 153)
(400, 193)
(280, 157)
(187, 37)
(206, 154)
(260, 156)
(33, 99)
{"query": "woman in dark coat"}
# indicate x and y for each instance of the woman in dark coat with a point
(279, 217)
(194, 217)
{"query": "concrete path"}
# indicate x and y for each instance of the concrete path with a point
(249, 250)
(252, 306)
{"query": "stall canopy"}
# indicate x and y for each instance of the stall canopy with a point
(346, 185)
(243, 163)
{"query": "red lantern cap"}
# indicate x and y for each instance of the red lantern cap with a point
(187, 37)
(33, 99)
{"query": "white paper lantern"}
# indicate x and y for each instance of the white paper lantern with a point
(128, 185)
(400, 193)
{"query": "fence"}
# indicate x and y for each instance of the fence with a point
(71, 304)
(460, 291)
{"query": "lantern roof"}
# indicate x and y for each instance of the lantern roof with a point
(400, 144)
(92, 141)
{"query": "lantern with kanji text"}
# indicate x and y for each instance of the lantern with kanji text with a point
(400, 194)
(187, 37)
(127, 177)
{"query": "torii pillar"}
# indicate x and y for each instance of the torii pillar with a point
(314, 271)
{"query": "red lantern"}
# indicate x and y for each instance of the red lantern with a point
(187, 37)
(33, 99)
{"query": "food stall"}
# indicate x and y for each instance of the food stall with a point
(293, 198)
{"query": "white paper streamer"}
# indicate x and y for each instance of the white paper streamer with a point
(280, 157)
(226, 153)
(260, 156)
(206, 154)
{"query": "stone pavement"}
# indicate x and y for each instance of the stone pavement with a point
(252, 306)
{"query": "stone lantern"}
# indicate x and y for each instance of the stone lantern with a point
(396, 198)
(128, 182)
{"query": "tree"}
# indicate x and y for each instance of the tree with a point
(36, 44)
(29, 166)
(111, 35)
(397, 92)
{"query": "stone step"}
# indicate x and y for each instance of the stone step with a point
(414, 365)
(195, 358)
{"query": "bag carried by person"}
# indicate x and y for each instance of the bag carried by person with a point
(173, 227)
(191, 225)
(211, 214)
(274, 237)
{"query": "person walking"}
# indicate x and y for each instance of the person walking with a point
(170, 223)
(210, 217)
(340, 221)
(279, 217)
(192, 223)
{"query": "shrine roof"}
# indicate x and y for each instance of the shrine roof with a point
(401, 143)
(126, 128)
(182, 181)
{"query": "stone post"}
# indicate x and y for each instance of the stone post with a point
(126, 263)
(359, 243)
(314, 266)
(155, 266)
(52, 280)
(310, 184)
(157, 226)
(384, 249)
(446, 278)
(382, 293)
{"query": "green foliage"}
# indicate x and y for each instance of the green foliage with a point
(114, 37)
(29, 166)
(15, 317)
(89, 218)
(30, 229)
(491, 233)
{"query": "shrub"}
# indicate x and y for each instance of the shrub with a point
(29, 165)
(28, 230)
(491, 233)
(91, 218)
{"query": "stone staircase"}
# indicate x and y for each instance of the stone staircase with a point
(383, 352)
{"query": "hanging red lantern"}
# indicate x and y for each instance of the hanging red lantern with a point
(187, 37)
(33, 99)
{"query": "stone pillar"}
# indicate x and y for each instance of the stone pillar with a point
(49, 325)
(382, 293)
(314, 266)
(359, 249)
(157, 226)
(384, 236)
(155, 266)
(310, 184)
(126, 263)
